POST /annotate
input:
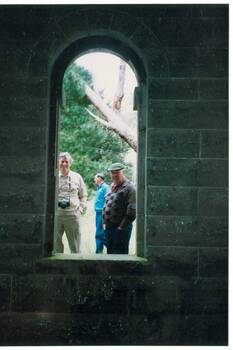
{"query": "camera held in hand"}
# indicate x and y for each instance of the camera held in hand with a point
(63, 202)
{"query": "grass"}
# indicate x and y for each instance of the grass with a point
(88, 233)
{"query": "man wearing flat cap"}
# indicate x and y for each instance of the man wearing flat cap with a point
(119, 211)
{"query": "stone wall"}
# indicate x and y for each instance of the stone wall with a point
(179, 295)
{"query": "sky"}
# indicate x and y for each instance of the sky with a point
(104, 68)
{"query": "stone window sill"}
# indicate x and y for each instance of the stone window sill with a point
(111, 257)
(92, 264)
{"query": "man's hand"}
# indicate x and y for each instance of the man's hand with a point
(82, 210)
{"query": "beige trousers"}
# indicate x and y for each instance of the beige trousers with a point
(70, 224)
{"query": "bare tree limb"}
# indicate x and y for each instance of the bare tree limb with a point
(114, 122)
(100, 120)
(96, 101)
(120, 87)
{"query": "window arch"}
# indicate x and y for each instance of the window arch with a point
(72, 52)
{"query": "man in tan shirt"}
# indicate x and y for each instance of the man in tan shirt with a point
(72, 196)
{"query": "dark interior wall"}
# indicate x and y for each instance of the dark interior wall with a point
(179, 296)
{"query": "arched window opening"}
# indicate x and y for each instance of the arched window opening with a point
(97, 127)
(121, 49)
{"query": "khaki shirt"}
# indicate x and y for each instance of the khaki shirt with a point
(73, 187)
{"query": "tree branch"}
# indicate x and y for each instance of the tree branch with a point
(120, 88)
(100, 120)
(114, 122)
(123, 135)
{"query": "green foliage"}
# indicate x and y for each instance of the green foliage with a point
(73, 85)
(92, 146)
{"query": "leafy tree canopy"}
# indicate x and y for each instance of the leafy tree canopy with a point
(92, 146)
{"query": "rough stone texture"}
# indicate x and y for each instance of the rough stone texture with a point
(173, 143)
(213, 202)
(214, 144)
(172, 201)
(196, 231)
(179, 295)
(27, 141)
(5, 292)
(71, 329)
(188, 172)
(174, 89)
(21, 229)
(183, 114)
(213, 89)
(213, 262)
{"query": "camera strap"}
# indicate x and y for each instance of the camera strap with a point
(69, 185)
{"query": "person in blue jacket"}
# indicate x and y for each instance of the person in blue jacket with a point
(101, 191)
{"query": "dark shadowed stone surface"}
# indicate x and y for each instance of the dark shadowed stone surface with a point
(75, 294)
(188, 172)
(173, 172)
(214, 144)
(5, 292)
(214, 89)
(213, 173)
(169, 261)
(158, 64)
(173, 143)
(19, 259)
(180, 11)
(213, 202)
(73, 23)
(203, 296)
(174, 89)
(210, 10)
(27, 141)
(14, 111)
(212, 63)
(69, 294)
(204, 329)
(172, 201)
(16, 60)
(183, 114)
(188, 231)
(182, 32)
(197, 62)
(112, 266)
(119, 21)
(213, 262)
(65, 329)
(21, 229)
(27, 199)
(12, 171)
(37, 88)
(220, 34)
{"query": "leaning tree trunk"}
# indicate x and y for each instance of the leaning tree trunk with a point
(112, 120)
(120, 88)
